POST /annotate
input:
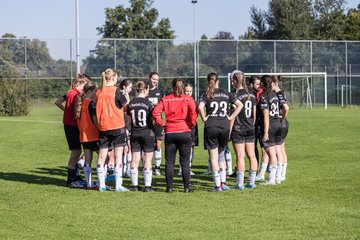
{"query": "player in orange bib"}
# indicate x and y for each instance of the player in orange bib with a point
(89, 134)
(110, 103)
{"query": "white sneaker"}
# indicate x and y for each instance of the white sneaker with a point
(157, 172)
(192, 173)
(121, 189)
(260, 179)
(229, 172)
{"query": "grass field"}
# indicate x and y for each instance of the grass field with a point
(319, 200)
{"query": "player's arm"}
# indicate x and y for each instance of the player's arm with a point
(266, 114)
(202, 112)
(59, 102)
(237, 110)
(157, 111)
(285, 111)
(192, 113)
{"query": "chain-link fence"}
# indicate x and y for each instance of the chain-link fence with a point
(47, 66)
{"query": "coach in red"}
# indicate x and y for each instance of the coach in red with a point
(181, 116)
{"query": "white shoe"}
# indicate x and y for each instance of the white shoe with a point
(179, 173)
(229, 172)
(267, 184)
(121, 189)
(157, 172)
(192, 173)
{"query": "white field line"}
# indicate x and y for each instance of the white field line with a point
(30, 121)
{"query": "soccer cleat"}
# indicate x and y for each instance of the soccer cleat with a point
(169, 190)
(136, 188)
(107, 188)
(260, 179)
(224, 187)
(179, 173)
(76, 184)
(188, 190)
(267, 183)
(207, 172)
(215, 189)
(121, 189)
(283, 178)
(148, 189)
(278, 181)
(102, 189)
(192, 173)
(250, 185)
(157, 172)
(238, 187)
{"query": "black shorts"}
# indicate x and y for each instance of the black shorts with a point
(159, 132)
(117, 137)
(216, 138)
(72, 134)
(284, 130)
(142, 141)
(243, 136)
(93, 146)
(274, 136)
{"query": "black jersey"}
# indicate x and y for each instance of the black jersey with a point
(282, 98)
(155, 95)
(217, 108)
(140, 111)
(270, 102)
(245, 119)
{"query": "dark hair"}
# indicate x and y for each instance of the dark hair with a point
(212, 79)
(253, 78)
(266, 81)
(152, 74)
(124, 83)
(187, 85)
(178, 86)
(87, 87)
(141, 86)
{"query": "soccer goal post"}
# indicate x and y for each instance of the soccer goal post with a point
(306, 89)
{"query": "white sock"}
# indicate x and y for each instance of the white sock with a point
(129, 158)
(118, 176)
(278, 172)
(272, 173)
(124, 161)
(101, 176)
(252, 176)
(134, 173)
(240, 178)
(228, 159)
(157, 158)
(216, 176)
(147, 177)
(263, 169)
(87, 173)
(222, 175)
(283, 173)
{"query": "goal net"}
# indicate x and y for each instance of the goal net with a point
(306, 89)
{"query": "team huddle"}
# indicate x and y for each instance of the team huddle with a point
(125, 132)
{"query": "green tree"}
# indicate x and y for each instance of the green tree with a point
(133, 57)
(330, 19)
(352, 25)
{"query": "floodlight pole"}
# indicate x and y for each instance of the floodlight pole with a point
(196, 87)
(77, 36)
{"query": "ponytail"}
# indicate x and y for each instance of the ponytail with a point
(212, 80)
(80, 99)
(178, 86)
(266, 82)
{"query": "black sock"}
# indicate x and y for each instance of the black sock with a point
(71, 176)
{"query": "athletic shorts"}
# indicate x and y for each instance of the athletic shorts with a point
(72, 134)
(274, 136)
(284, 130)
(142, 141)
(216, 138)
(93, 146)
(243, 136)
(116, 137)
(159, 132)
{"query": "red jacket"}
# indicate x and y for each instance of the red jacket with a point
(180, 113)
(69, 110)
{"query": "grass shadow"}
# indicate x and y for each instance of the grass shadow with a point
(31, 179)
